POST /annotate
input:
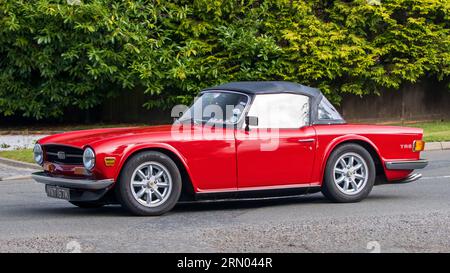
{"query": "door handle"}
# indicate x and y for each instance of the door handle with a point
(306, 140)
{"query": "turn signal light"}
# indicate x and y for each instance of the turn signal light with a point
(49, 167)
(418, 145)
(110, 161)
(80, 171)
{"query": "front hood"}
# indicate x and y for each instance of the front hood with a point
(83, 138)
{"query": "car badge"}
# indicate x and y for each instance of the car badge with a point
(61, 155)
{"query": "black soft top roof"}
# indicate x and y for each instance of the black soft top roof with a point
(268, 87)
(275, 87)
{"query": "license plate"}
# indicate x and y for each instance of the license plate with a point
(57, 192)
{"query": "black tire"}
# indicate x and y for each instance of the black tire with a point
(329, 187)
(124, 192)
(87, 204)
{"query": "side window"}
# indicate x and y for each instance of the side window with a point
(280, 110)
(327, 111)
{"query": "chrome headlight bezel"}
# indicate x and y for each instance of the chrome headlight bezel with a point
(89, 158)
(38, 154)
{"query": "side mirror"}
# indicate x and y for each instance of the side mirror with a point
(250, 121)
(175, 117)
(178, 111)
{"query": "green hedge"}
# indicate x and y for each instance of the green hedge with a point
(54, 55)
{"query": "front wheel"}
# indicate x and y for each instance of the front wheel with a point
(349, 174)
(149, 184)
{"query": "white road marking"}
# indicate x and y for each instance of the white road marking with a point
(436, 177)
(16, 177)
(17, 168)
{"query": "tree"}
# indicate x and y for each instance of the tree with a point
(55, 55)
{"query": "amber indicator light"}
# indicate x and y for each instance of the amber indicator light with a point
(110, 161)
(418, 145)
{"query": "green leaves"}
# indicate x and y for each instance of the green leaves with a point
(54, 55)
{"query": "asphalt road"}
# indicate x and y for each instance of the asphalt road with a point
(395, 218)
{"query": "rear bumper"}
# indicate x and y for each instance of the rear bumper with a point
(72, 183)
(406, 164)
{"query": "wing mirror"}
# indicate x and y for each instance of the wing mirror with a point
(178, 111)
(250, 121)
(177, 116)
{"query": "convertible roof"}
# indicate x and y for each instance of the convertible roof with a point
(268, 87)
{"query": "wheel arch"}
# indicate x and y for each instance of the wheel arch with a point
(368, 145)
(188, 191)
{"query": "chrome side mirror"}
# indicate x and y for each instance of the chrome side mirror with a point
(250, 121)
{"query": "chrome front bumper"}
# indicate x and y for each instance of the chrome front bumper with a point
(406, 164)
(72, 183)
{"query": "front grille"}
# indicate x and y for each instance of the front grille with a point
(63, 154)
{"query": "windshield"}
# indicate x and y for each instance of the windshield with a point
(216, 108)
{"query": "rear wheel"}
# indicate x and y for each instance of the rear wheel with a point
(87, 204)
(150, 184)
(349, 174)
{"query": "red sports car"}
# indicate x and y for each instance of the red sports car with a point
(239, 139)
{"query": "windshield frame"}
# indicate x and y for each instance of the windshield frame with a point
(204, 122)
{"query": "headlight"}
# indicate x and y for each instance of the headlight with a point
(38, 154)
(89, 158)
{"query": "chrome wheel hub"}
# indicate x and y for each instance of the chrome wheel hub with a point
(151, 184)
(350, 173)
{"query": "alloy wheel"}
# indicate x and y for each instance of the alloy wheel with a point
(151, 184)
(350, 173)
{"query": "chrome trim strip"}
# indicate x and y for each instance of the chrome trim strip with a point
(67, 155)
(406, 164)
(306, 140)
(261, 188)
(59, 144)
(87, 184)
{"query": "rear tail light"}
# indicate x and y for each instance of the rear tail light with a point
(418, 145)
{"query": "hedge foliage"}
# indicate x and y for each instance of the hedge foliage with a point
(54, 55)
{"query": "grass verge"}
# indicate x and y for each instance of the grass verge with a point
(433, 131)
(24, 155)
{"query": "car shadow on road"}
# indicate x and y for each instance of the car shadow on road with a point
(186, 207)
(232, 204)
(183, 207)
(67, 211)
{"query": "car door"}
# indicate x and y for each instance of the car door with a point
(206, 139)
(279, 150)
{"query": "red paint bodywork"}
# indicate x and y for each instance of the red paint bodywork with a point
(234, 160)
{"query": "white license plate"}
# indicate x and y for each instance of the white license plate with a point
(57, 192)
